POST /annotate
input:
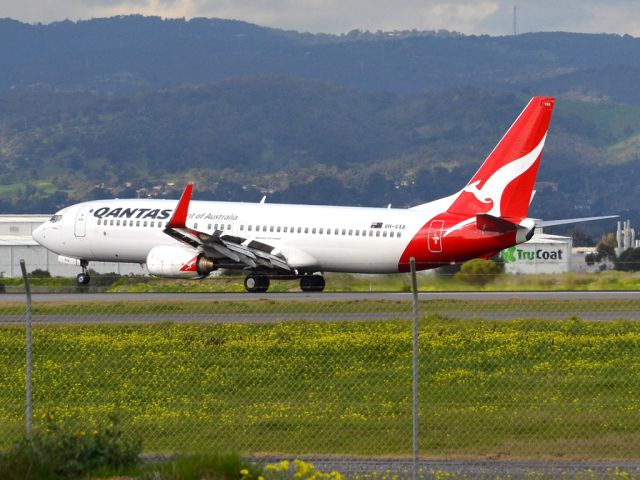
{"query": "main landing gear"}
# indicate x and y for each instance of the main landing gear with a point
(83, 278)
(312, 283)
(259, 283)
(256, 283)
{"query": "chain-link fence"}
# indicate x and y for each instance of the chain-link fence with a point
(509, 376)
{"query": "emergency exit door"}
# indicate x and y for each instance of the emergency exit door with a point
(436, 231)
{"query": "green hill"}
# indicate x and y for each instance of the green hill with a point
(300, 141)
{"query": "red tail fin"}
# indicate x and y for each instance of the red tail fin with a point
(503, 185)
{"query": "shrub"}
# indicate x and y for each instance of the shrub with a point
(298, 470)
(203, 467)
(448, 271)
(70, 451)
(40, 273)
(629, 260)
(99, 281)
(478, 271)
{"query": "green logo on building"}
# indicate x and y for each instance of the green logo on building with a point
(508, 255)
(513, 254)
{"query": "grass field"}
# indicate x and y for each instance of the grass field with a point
(508, 389)
(516, 306)
(45, 187)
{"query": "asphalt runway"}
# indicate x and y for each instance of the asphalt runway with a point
(324, 296)
(480, 469)
(324, 314)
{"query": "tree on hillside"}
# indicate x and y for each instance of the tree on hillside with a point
(580, 238)
(605, 250)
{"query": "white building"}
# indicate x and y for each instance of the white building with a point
(579, 260)
(16, 244)
(544, 253)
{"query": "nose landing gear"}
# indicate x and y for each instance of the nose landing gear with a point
(83, 278)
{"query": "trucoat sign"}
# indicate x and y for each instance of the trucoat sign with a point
(542, 254)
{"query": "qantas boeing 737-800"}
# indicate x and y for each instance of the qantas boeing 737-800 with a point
(190, 239)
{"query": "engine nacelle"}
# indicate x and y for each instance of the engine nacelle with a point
(178, 262)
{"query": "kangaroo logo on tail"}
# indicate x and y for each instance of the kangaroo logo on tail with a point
(503, 185)
(490, 212)
(491, 192)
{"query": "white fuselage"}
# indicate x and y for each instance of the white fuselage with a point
(311, 238)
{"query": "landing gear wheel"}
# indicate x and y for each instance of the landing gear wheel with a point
(83, 278)
(312, 283)
(256, 283)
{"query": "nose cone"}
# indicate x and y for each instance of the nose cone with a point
(39, 234)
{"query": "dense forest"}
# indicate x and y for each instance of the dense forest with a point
(137, 106)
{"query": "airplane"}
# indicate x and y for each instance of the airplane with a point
(191, 239)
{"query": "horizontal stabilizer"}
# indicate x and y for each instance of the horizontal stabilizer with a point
(489, 223)
(552, 223)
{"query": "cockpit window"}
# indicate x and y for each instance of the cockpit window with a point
(55, 218)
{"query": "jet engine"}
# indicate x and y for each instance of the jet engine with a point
(179, 262)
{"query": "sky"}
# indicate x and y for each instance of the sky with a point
(493, 17)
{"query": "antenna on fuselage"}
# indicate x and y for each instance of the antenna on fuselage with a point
(264, 199)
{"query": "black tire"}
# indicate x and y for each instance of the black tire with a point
(83, 279)
(256, 283)
(312, 283)
(264, 283)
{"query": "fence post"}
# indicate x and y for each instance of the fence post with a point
(415, 366)
(29, 410)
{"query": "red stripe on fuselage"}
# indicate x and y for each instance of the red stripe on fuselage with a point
(458, 246)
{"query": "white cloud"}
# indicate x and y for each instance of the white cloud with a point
(587, 16)
(341, 16)
(335, 16)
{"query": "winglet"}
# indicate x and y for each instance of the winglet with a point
(179, 217)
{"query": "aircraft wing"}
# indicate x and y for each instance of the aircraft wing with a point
(245, 251)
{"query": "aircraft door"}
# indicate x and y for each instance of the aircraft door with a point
(81, 222)
(434, 239)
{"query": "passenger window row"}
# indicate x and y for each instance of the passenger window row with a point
(313, 230)
(129, 223)
(261, 228)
